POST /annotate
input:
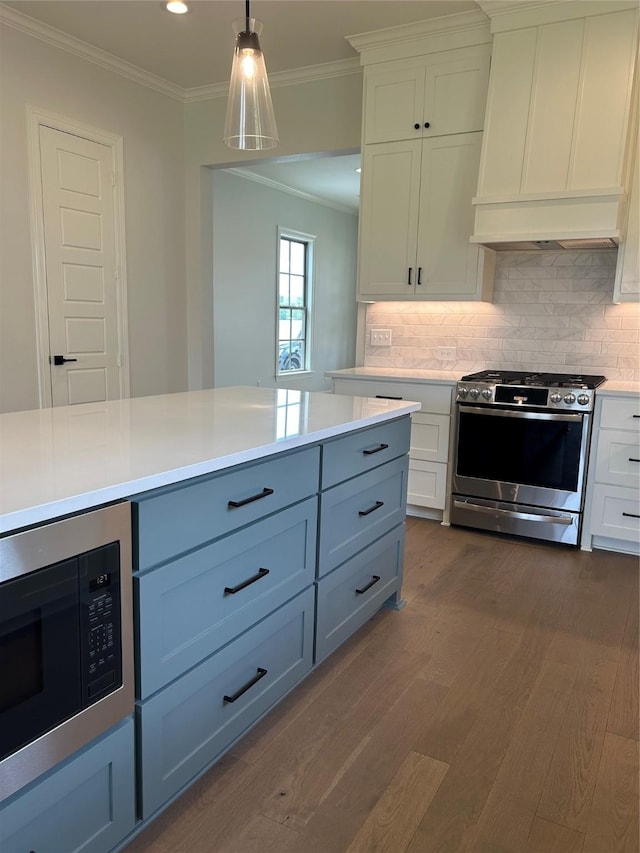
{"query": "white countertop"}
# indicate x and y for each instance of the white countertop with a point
(58, 461)
(619, 387)
(402, 374)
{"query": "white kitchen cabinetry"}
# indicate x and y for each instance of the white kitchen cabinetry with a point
(426, 96)
(416, 218)
(554, 158)
(627, 281)
(429, 448)
(612, 512)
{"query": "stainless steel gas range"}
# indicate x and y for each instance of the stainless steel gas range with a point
(520, 452)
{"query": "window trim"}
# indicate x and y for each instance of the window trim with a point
(309, 241)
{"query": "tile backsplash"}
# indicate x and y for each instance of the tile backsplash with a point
(551, 311)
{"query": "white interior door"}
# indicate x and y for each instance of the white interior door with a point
(79, 230)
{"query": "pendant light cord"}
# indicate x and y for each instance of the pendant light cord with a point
(247, 16)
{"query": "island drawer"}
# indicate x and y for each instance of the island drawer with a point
(191, 607)
(190, 723)
(168, 522)
(619, 413)
(355, 591)
(87, 803)
(358, 452)
(618, 458)
(358, 511)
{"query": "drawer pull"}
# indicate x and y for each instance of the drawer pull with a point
(631, 459)
(386, 397)
(375, 450)
(256, 678)
(371, 509)
(631, 515)
(373, 581)
(636, 416)
(231, 590)
(263, 494)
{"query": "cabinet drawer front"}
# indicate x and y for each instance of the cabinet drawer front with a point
(341, 608)
(616, 513)
(618, 458)
(430, 437)
(620, 413)
(194, 605)
(170, 522)
(87, 804)
(362, 451)
(359, 511)
(434, 398)
(189, 724)
(427, 484)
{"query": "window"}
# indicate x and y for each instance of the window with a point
(295, 252)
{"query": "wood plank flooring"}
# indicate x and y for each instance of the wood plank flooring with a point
(496, 713)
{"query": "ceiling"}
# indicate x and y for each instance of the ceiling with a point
(195, 50)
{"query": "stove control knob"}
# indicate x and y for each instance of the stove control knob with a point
(555, 397)
(569, 398)
(487, 393)
(474, 393)
(462, 391)
(583, 399)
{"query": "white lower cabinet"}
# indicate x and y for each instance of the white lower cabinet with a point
(429, 447)
(612, 510)
(85, 805)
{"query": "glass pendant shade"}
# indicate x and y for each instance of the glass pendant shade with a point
(250, 123)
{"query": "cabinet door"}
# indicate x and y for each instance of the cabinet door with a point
(389, 219)
(455, 96)
(447, 261)
(393, 102)
(627, 282)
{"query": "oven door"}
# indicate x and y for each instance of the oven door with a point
(523, 456)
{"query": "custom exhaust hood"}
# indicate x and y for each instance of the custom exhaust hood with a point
(560, 125)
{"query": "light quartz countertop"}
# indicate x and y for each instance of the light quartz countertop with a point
(619, 387)
(401, 374)
(68, 459)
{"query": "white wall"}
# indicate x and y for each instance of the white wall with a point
(246, 216)
(151, 124)
(313, 117)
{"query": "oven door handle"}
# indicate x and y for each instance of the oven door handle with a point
(569, 417)
(566, 520)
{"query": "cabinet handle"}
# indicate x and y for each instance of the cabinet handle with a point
(256, 678)
(373, 581)
(375, 450)
(386, 397)
(376, 506)
(416, 126)
(419, 275)
(427, 124)
(631, 459)
(263, 494)
(231, 590)
(636, 416)
(631, 515)
(409, 281)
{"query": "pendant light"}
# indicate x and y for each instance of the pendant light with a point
(250, 124)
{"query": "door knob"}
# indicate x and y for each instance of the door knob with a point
(60, 359)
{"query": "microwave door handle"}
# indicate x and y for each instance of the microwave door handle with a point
(566, 520)
(523, 413)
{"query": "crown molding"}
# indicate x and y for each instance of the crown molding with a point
(307, 74)
(442, 26)
(248, 175)
(57, 38)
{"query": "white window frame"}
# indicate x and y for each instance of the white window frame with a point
(309, 241)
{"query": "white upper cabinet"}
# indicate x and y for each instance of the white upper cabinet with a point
(555, 152)
(627, 280)
(426, 96)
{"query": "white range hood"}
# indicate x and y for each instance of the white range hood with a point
(559, 125)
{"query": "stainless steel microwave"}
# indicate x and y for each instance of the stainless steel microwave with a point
(66, 639)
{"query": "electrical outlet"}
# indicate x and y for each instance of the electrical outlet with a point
(446, 353)
(380, 337)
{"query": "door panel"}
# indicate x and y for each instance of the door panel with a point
(80, 251)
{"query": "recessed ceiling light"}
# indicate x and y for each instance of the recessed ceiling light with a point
(177, 7)
(358, 169)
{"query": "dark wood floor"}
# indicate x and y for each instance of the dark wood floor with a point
(498, 711)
